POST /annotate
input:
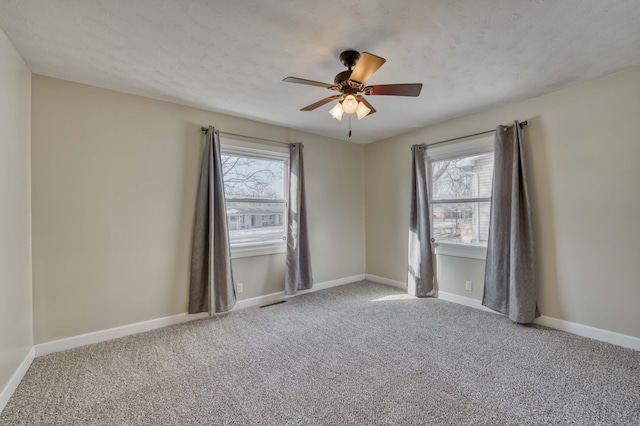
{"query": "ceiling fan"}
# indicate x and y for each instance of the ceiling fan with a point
(351, 85)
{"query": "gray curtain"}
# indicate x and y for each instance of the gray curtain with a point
(510, 281)
(211, 289)
(420, 270)
(298, 275)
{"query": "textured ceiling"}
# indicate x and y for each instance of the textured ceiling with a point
(231, 56)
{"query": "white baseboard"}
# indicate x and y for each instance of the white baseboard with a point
(623, 340)
(333, 283)
(386, 281)
(126, 330)
(558, 324)
(590, 332)
(276, 297)
(257, 301)
(463, 300)
(114, 333)
(16, 378)
(140, 327)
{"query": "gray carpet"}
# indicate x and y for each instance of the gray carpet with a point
(357, 354)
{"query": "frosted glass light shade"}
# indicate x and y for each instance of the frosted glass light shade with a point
(337, 111)
(362, 110)
(350, 104)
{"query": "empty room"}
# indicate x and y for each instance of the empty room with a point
(309, 213)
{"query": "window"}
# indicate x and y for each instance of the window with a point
(460, 182)
(256, 187)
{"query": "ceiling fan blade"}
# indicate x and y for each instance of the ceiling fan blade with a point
(364, 101)
(394, 89)
(366, 66)
(320, 103)
(308, 82)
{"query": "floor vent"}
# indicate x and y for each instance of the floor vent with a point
(274, 303)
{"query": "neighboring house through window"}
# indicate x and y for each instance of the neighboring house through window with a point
(256, 188)
(460, 183)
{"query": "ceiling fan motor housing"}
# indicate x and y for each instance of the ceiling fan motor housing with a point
(349, 58)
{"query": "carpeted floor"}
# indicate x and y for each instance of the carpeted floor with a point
(361, 354)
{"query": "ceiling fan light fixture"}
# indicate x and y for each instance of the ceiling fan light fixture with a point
(337, 111)
(350, 104)
(350, 84)
(362, 110)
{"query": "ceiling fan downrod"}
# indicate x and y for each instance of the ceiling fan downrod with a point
(349, 58)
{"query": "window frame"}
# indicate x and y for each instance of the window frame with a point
(463, 148)
(247, 149)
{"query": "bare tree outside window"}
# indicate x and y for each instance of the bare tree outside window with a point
(450, 181)
(254, 188)
(250, 177)
(469, 180)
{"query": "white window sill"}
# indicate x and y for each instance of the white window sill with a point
(461, 250)
(258, 250)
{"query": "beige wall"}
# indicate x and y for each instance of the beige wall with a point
(114, 181)
(16, 330)
(582, 151)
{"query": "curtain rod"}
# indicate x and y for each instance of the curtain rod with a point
(205, 129)
(522, 124)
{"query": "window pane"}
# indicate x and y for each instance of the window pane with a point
(461, 223)
(255, 222)
(246, 177)
(463, 177)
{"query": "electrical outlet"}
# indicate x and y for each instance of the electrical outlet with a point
(468, 285)
(239, 287)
